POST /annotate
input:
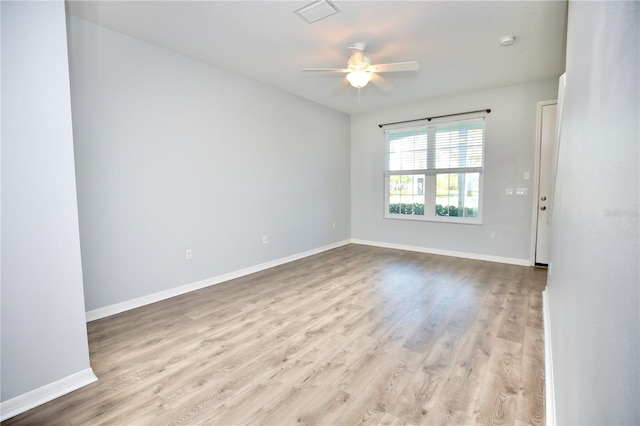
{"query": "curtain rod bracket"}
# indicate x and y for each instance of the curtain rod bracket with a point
(487, 110)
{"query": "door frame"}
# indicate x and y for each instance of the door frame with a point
(536, 176)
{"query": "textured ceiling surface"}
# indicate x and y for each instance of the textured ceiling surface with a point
(456, 43)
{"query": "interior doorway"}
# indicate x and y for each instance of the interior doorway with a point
(546, 150)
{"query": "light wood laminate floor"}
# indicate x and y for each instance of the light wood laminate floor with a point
(353, 335)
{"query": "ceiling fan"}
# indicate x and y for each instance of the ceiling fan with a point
(360, 71)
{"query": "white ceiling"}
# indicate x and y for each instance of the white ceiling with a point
(455, 42)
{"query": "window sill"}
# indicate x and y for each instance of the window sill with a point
(438, 219)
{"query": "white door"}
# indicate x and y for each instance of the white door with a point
(546, 142)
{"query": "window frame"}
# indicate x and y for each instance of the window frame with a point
(429, 194)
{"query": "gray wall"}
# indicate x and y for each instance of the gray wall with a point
(173, 154)
(594, 279)
(509, 153)
(44, 336)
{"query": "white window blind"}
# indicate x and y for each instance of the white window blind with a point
(437, 148)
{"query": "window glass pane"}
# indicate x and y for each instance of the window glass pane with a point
(457, 194)
(406, 194)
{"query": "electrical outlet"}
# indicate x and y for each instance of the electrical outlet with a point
(493, 235)
(265, 239)
(522, 191)
(188, 254)
(333, 225)
(508, 191)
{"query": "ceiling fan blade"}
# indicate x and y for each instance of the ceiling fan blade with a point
(381, 83)
(396, 66)
(339, 86)
(341, 70)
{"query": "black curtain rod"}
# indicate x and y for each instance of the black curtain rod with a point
(431, 118)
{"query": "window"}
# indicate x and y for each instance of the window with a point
(434, 172)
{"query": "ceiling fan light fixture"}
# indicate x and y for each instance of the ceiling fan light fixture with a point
(359, 79)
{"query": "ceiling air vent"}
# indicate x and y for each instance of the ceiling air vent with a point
(316, 11)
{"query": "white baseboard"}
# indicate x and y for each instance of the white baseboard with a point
(550, 399)
(464, 255)
(29, 400)
(166, 294)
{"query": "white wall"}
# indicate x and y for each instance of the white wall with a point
(594, 274)
(44, 336)
(173, 154)
(509, 153)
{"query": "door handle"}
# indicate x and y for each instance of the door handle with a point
(543, 208)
